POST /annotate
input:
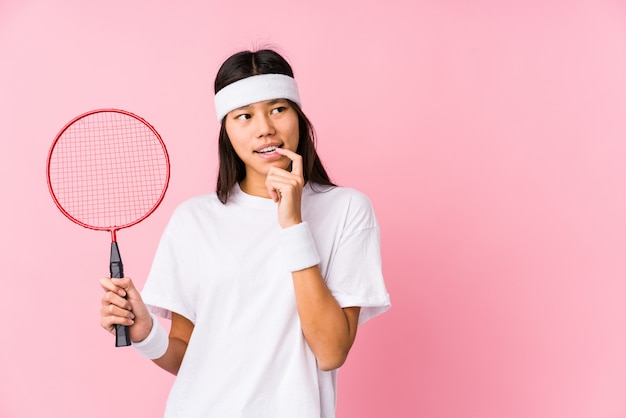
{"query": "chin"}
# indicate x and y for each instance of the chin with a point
(282, 164)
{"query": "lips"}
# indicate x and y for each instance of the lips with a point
(267, 149)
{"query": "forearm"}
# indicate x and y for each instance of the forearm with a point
(166, 351)
(173, 357)
(328, 329)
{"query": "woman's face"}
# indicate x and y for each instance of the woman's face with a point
(257, 129)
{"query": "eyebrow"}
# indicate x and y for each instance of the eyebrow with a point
(270, 103)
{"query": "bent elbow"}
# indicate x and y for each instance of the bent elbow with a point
(330, 363)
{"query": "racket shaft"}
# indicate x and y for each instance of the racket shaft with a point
(122, 333)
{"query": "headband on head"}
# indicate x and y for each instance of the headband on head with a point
(256, 88)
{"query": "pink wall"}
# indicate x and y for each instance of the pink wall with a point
(491, 137)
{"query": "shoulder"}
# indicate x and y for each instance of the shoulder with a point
(196, 203)
(355, 205)
(337, 194)
(194, 209)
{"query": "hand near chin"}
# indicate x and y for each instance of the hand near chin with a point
(285, 188)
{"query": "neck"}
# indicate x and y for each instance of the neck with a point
(254, 188)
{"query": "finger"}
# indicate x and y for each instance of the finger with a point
(107, 325)
(271, 183)
(278, 187)
(296, 160)
(112, 298)
(110, 321)
(274, 195)
(112, 311)
(127, 286)
(280, 173)
(111, 315)
(108, 285)
(284, 188)
(277, 176)
(132, 300)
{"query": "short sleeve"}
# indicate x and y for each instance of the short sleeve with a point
(164, 291)
(355, 271)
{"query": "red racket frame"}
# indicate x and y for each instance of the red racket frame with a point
(112, 229)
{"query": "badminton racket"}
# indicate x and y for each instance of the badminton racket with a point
(108, 169)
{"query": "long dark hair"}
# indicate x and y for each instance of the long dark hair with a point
(231, 169)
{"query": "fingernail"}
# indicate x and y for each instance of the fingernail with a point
(122, 293)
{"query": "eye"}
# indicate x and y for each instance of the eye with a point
(243, 116)
(279, 109)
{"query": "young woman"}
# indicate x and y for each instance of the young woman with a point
(266, 280)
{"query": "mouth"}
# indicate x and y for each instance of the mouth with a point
(267, 149)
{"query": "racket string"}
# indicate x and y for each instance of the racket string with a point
(108, 169)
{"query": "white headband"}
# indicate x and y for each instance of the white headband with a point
(255, 89)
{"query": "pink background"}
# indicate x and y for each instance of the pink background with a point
(490, 136)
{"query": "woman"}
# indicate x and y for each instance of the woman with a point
(266, 280)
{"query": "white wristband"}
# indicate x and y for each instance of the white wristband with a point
(155, 344)
(299, 247)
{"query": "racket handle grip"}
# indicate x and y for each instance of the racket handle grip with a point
(122, 336)
(122, 333)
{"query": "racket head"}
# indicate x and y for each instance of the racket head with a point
(108, 169)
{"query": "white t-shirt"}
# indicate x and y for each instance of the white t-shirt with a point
(221, 267)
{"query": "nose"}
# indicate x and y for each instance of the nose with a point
(264, 126)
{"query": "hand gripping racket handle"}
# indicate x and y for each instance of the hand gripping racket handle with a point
(122, 333)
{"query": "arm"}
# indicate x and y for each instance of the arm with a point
(328, 329)
(180, 333)
(122, 304)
